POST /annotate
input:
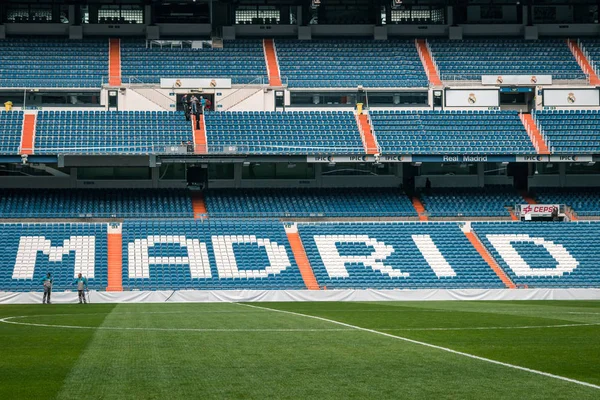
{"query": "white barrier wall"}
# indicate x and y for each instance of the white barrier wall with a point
(472, 98)
(571, 98)
(229, 296)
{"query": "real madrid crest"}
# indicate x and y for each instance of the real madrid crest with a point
(571, 98)
(472, 99)
(178, 83)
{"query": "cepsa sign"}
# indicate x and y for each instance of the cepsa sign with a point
(538, 210)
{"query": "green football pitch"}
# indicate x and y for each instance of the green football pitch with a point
(388, 350)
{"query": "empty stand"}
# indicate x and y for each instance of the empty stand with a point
(570, 131)
(199, 206)
(199, 135)
(28, 135)
(350, 62)
(543, 254)
(114, 258)
(428, 62)
(366, 134)
(534, 134)
(32, 250)
(357, 202)
(394, 255)
(450, 132)
(585, 201)
(590, 48)
(114, 57)
(241, 60)
(490, 201)
(469, 59)
(419, 208)
(265, 132)
(11, 127)
(301, 259)
(272, 63)
(477, 245)
(98, 132)
(208, 255)
(47, 63)
(95, 203)
(583, 62)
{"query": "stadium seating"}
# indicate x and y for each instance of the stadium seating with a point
(350, 62)
(11, 125)
(570, 131)
(550, 254)
(267, 132)
(169, 264)
(584, 201)
(99, 132)
(29, 251)
(95, 203)
(470, 58)
(241, 60)
(402, 265)
(451, 132)
(47, 63)
(591, 46)
(465, 202)
(309, 202)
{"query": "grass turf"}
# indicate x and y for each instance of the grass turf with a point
(234, 351)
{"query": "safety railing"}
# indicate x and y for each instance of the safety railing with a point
(154, 80)
(189, 149)
(475, 79)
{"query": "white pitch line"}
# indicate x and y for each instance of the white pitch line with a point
(9, 320)
(433, 346)
(484, 328)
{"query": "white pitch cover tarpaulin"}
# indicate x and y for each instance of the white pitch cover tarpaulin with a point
(230, 296)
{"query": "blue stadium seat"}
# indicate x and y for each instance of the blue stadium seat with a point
(451, 132)
(11, 126)
(369, 202)
(469, 59)
(350, 62)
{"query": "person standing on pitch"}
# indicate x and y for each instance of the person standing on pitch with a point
(82, 285)
(47, 282)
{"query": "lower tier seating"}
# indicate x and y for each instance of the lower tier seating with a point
(309, 203)
(545, 254)
(208, 255)
(29, 251)
(490, 201)
(584, 201)
(394, 255)
(95, 203)
(238, 254)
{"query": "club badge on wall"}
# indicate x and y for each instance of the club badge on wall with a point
(472, 98)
